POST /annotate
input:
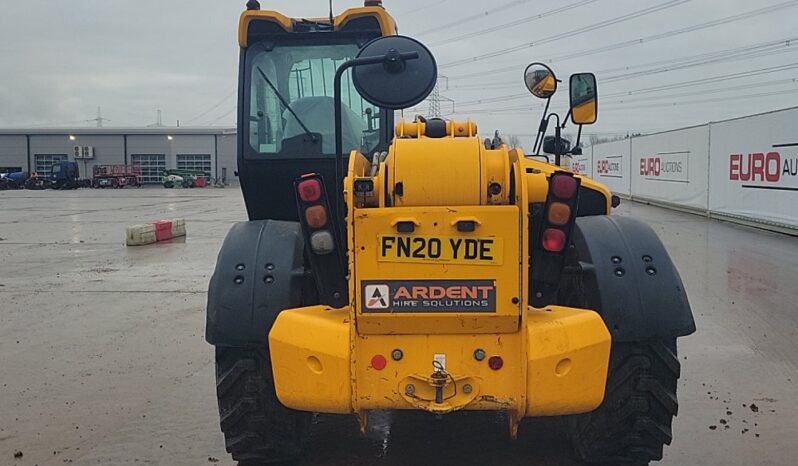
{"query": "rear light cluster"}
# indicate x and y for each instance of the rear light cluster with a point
(559, 212)
(553, 225)
(315, 214)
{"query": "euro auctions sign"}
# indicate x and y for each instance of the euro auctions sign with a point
(666, 166)
(754, 168)
(610, 166)
(776, 169)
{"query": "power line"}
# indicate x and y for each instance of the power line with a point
(703, 101)
(676, 32)
(214, 107)
(568, 34)
(617, 99)
(707, 91)
(212, 122)
(690, 62)
(623, 105)
(647, 39)
(709, 80)
(665, 87)
(460, 21)
(722, 56)
(511, 24)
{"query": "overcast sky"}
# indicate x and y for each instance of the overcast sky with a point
(60, 60)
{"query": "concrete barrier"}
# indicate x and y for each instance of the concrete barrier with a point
(152, 232)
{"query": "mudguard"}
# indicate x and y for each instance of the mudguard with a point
(259, 272)
(630, 280)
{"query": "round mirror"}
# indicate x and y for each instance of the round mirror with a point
(540, 80)
(404, 78)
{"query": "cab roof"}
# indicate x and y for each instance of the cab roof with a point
(372, 17)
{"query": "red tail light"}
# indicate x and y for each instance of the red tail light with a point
(553, 240)
(309, 190)
(563, 186)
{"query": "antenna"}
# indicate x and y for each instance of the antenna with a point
(332, 18)
(158, 120)
(99, 120)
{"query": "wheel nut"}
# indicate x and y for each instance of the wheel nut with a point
(410, 389)
(467, 388)
(479, 354)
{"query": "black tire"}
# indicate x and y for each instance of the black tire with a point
(633, 424)
(257, 428)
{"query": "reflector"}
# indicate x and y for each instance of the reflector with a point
(559, 214)
(316, 216)
(322, 242)
(553, 240)
(563, 186)
(495, 362)
(379, 362)
(309, 190)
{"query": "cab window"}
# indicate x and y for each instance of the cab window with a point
(301, 77)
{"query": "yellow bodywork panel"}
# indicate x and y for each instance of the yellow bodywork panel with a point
(437, 277)
(441, 172)
(556, 365)
(497, 390)
(538, 172)
(569, 351)
(310, 353)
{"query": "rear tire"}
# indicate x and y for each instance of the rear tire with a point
(257, 428)
(633, 424)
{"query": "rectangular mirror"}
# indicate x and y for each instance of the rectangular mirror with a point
(584, 98)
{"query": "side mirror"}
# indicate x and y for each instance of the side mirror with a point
(540, 80)
(403, 73)
(584, 99)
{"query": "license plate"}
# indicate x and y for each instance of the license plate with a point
(442, 249)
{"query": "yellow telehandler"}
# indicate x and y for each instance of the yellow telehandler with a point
(408, 266)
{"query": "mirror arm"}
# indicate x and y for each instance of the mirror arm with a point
(578, 137)
(557, 143)
(567, 116)
(544, 123)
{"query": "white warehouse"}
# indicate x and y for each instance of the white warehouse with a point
(211, 150)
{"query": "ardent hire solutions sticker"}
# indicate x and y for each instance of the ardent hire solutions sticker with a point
(428, 296)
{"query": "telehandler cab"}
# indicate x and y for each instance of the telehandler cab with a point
(410, 267)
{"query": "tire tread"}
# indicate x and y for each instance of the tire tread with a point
(257, 427)
(633, 423)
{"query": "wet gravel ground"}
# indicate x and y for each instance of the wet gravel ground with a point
(103, 359)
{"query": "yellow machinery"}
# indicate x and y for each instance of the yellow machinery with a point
(413, 268)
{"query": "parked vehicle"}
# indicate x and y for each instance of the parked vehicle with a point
(13, 180)
(64, 175)
(173, 178)
(427, 271)
(116, 176)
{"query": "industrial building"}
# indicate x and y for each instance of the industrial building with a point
(210, 150)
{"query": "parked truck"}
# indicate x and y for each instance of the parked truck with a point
(64, 175)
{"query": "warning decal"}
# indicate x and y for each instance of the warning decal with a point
(428, 296)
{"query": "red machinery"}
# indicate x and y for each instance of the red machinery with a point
(116, 176)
